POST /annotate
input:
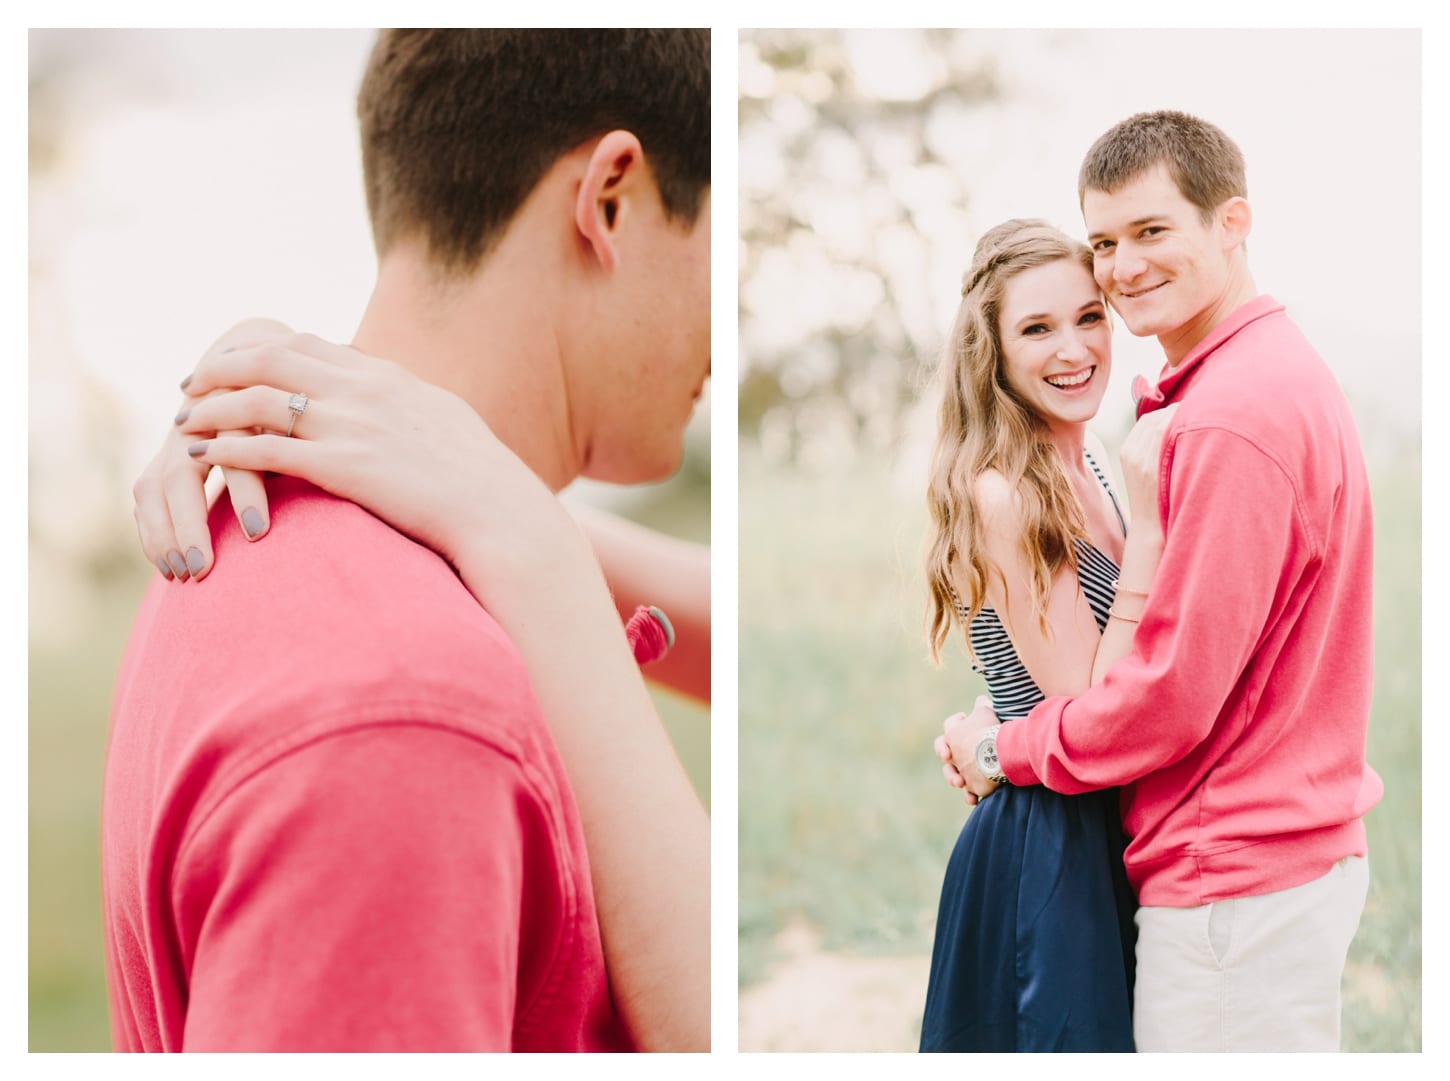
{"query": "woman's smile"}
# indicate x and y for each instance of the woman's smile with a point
(1072, 382)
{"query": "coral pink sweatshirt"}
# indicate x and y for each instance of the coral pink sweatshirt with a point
(1237, 723)
(334, 817)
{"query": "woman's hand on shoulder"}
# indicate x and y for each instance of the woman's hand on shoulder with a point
(371, 432)
(171, 501)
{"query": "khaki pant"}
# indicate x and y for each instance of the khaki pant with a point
(1251, 973)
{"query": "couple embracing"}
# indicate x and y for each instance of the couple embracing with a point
(1167, 848)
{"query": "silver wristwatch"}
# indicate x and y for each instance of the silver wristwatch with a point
(986, 756)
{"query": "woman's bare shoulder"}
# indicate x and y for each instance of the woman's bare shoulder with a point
(998, 503)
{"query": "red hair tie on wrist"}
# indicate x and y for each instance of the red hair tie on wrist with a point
(650, 634)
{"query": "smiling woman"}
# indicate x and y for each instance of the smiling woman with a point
(1068, 349)
(1028, 544)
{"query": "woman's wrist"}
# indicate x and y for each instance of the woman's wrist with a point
(1142, 552)
(546, 553)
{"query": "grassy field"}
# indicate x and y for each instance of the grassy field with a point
(70, 693)
(845, 821)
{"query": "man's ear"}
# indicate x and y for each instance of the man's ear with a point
(612, 179)
(1236, 218)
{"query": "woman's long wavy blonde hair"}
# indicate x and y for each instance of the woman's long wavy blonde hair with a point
(986, 425)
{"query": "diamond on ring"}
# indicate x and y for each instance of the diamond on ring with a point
(296, 405)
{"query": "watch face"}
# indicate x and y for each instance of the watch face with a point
(987, 758)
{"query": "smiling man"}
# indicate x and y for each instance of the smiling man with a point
(1237, 724)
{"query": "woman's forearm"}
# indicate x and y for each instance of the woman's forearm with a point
(1142, 552)
(646, 831)
(1142, 460)
(646, 567)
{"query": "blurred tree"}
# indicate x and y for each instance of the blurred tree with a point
(79, 496)
(851, 176)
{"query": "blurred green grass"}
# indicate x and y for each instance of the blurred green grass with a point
(70, 695)
(844, 819)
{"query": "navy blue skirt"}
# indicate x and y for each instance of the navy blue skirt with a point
(1034, 935)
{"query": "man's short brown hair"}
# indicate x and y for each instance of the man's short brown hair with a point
(1206, 164)
(458, 126)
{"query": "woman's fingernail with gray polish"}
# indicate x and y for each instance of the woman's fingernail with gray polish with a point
(195, 561)
(178, 565)
(196, 450)
(252, 523)
(181, 417)
(186, 382)
(163, 568)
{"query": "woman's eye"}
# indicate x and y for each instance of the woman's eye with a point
(1102, 247)
(1036, 328)
(1089, 318)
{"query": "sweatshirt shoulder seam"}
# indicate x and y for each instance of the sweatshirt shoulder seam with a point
(1315, 545)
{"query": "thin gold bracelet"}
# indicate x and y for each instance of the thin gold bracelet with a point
(1113, 613)
(1131, 592)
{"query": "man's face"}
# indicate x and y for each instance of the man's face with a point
(1162, 269)
(661, 356)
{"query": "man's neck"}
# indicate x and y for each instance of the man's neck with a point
(1238, 290)
(488, 339)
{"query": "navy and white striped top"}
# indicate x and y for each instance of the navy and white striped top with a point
(1011, 688)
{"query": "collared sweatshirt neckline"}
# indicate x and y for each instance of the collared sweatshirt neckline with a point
(1147, 397)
